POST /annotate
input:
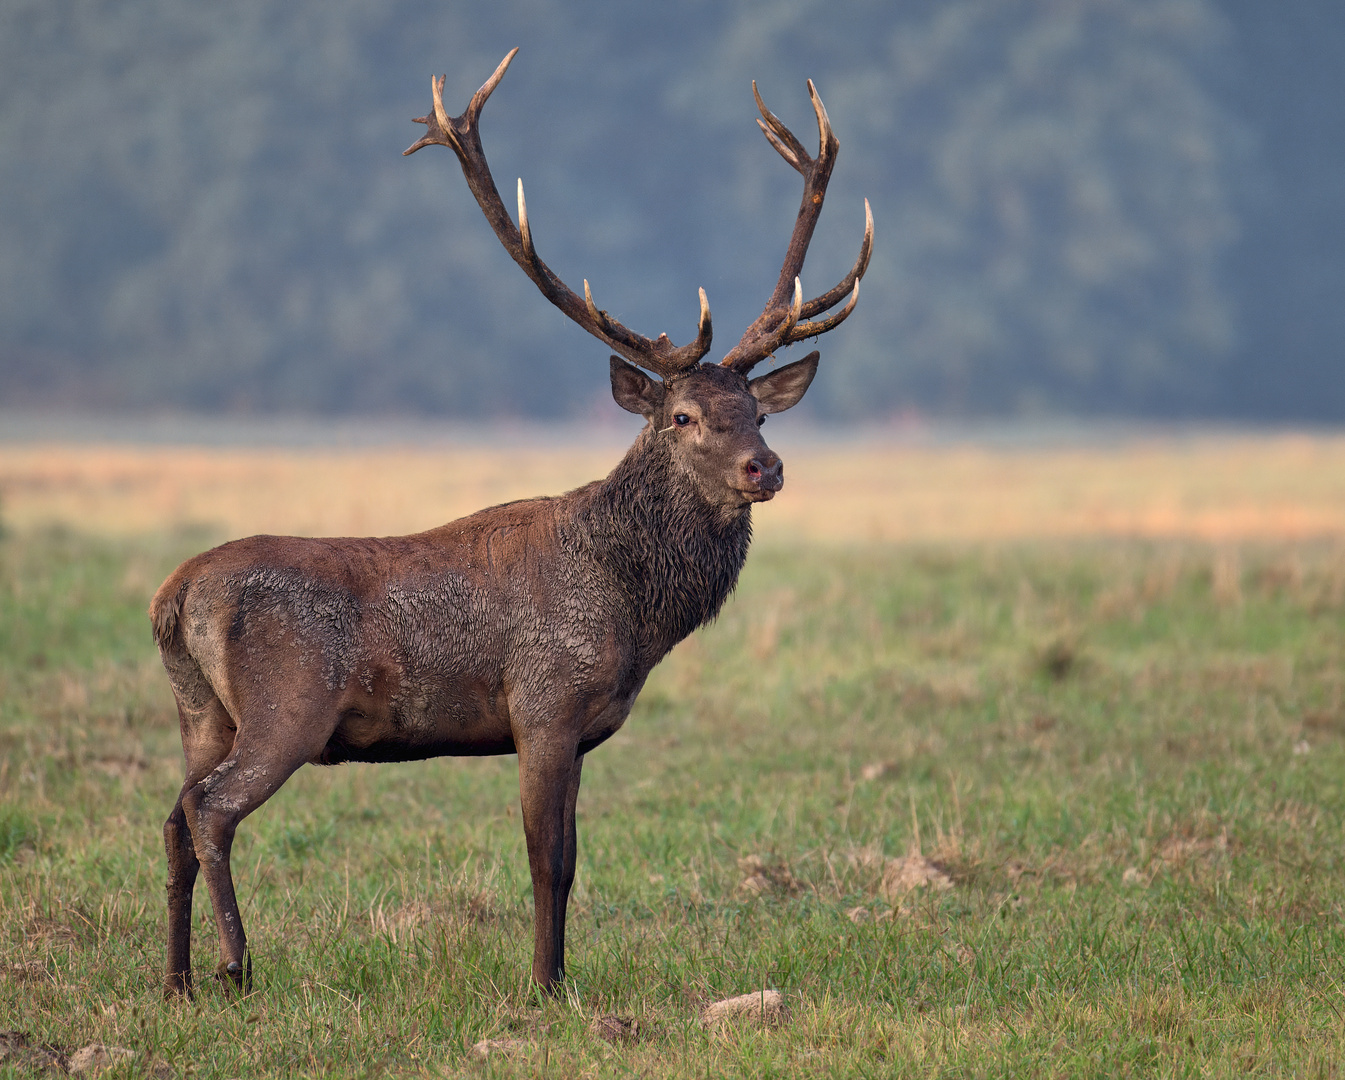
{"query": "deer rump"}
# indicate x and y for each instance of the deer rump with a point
(527, 628)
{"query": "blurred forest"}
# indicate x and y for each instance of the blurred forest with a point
(1098, 207)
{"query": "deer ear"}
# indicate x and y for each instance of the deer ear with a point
(781, 389)
(635, 391)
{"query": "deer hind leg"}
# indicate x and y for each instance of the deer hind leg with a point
(265, 753)
(207, 738)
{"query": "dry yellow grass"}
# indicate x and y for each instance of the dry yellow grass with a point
(1209, 488)
(324, 492)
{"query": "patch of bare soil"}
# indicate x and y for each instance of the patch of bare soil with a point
(20, 1050)
(1178, 853)
(762, 1006)
(762, 876)
(488, 1048)
(96, 1057)
(617, 1029)
(910, 872)
(28, 971)
(1132, 876)
(878, 770)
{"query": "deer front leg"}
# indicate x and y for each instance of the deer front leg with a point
(549, 790)
(570, 856)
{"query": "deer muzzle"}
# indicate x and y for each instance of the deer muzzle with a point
(763, 475)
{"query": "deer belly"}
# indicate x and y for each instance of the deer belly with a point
(422, 719)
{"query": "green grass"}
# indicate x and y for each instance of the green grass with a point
(1127, 757)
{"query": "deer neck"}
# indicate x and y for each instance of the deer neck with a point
(674, 555)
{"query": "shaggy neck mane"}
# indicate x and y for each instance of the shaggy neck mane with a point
(675, 555)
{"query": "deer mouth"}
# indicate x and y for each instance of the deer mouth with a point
(757, 493)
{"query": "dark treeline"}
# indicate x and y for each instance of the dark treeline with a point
(1082, 206)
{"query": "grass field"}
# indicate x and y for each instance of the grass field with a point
(1012, 795)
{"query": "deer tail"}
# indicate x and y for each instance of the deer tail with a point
(165, 610)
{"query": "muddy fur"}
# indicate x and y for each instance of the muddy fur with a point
(674, 557)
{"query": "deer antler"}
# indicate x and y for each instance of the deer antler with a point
(461, 134)
(779, 325)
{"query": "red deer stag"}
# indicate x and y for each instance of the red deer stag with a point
(527, 628)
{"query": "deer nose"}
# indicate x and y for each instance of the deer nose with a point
(765, 471)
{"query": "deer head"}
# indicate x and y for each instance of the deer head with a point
(709, 413)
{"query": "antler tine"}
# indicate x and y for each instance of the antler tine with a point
(525, 231)
(815, 329)
(599, 317)
(824, 132)
(779, 325)
(437, 90)
(462, 135)
(845, 286)
(780, 136)
(480, 98)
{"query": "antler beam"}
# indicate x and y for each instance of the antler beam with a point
(462, 135)
(779, 325)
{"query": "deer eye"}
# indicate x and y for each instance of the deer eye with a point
(681, 419)
(760, 420)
